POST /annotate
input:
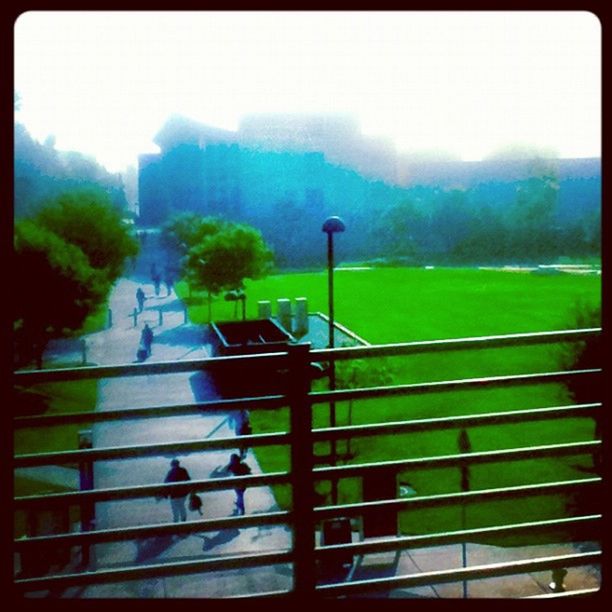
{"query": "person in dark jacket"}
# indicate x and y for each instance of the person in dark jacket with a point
(241, 424)
(238, 468)
(146, 338)
(140, 298)
(178, 495)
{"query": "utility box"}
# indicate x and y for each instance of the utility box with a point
(336, 531)
(378, 485)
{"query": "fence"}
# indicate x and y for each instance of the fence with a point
(304, 516)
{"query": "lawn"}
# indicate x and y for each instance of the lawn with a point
(385, 305)
(52, 398)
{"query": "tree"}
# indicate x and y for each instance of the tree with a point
(399, 230)
(532, 218)
(586, 355)
(41, 172)
(186, 230)
(223, 260)
(89, 220)
(55, 289)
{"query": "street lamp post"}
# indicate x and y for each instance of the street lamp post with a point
(331, 226)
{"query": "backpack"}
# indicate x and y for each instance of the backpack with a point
(243, 469)
(195, 502)
(245, 429)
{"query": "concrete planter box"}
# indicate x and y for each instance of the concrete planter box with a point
(249, 338)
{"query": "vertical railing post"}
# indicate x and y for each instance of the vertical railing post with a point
(302, 462)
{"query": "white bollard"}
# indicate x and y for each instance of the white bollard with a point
(284, 313)
(264, 309)
(301, 316)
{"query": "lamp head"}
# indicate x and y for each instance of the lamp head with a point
(333, 225)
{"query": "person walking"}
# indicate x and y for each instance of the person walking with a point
(177, 473)
(156, 278)
(169, 281)
(241, 423)
(237, 467)
(140, 298)
(146, 338)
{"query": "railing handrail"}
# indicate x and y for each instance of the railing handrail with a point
(301, 437)
(279, 359)
(320, 473)
(320, 434)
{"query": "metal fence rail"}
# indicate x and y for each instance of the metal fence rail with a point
(319, 435)
(304, 517)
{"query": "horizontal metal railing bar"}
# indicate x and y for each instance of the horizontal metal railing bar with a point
(284, 517)
(479, 572)
(195, 408)
(145, 450)
(262, 595)
(456, 460)
(328, 433)
(448, 385)
(276, 557)
(444, 499)
(147, 531)
(79, 497)
(279, 359)
(320, 473)
(150, 490)
(153, 570)
(470, 420)
(455, 344)
(577, 593)
(454, 537)
(271, 402)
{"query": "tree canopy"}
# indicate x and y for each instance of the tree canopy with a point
(54, 291)
(223, 260)
(67, 257)
(42, 172)
(88, 219)
(186, 230)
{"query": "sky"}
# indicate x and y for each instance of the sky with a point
(467, 83)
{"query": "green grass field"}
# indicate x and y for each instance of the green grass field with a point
(59, 397)
(386, 305)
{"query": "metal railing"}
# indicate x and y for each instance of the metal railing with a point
(305, 516)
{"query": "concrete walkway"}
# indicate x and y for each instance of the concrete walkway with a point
(175, 339)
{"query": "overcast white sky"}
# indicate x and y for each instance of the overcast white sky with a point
(468, 83)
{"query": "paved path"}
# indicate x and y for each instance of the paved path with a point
(174, 340)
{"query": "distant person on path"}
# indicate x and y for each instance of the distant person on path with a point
(238, 468)
(169, 281)
(179, 495)
(241, 424)
(140, 298)
(146, 338)
(157, 283)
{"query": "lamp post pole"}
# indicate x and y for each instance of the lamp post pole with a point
(330, 227)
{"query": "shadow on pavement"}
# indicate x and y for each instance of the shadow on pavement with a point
(203, 387)
(153, 303)
(151, 547)
(227, 535)
(186, 335)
